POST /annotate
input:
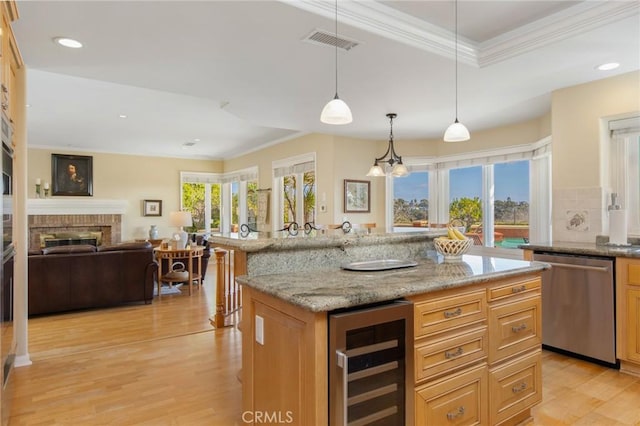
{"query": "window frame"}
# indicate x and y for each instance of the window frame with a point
(539, 155)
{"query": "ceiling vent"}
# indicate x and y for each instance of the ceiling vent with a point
(329, 39)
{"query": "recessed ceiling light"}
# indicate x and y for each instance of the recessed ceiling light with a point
(122, 116)
(196, 140)
(68, 42)
(28, 105)
(608, 66)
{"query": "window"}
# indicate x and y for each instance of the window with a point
(493, 194)
(295, 198)
(465, 197)
(625, 168)
(411, 200)
(511, 203)
(252, 204)
(219, 202)
(200, 195)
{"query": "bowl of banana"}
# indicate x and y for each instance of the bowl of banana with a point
(453, 246)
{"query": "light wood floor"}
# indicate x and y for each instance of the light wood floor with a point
(163, 364)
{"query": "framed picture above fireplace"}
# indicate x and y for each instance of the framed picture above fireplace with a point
(72, 174)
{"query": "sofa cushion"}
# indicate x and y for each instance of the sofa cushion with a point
(136, 245)
(78, 248)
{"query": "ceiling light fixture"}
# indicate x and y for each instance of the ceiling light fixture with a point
(394, 160)
(336, 111)
(456, 132)
(68, 42)
(123, 116)
(608, 66)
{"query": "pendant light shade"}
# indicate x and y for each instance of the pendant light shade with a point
(394, 161)
(336, 111)
(457, 132)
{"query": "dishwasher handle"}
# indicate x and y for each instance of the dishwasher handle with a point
(581, 267)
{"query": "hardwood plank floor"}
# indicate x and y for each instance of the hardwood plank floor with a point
(163, 364)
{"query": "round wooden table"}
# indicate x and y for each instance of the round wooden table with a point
(186, 255)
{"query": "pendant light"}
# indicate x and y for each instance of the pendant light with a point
(394, 160)
(457, 132)
(336, 111)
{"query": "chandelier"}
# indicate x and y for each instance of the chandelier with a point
(395, 161)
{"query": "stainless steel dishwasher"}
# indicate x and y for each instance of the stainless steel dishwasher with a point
(578, 306)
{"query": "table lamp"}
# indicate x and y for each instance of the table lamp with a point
(181, 219)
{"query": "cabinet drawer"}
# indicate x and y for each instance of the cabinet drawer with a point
(446, 313)
(633, 273)
(514, 288)
(515, 387)
(514, 327)
(450, 354)
(462, 399)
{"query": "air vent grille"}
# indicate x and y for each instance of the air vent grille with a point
(327, 38)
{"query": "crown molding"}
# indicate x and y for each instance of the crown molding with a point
(390, 23)
(567, 23)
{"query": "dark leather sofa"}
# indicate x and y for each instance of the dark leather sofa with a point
(67, 278)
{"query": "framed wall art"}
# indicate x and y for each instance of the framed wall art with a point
(152, 208)
(72, 174)
(357, 196)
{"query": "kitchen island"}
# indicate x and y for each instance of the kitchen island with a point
(475, 346)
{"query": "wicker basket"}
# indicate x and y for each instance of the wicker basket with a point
(452, 250)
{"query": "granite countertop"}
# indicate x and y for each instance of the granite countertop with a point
(280, 241)
(589, 249)
(326, 290)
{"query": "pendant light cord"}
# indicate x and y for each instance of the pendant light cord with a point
(456, 25)
(336, 47)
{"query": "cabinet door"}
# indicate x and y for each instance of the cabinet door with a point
(514, 327)
(633, 321)
(458, 400)
(279, 365)
(515, 386)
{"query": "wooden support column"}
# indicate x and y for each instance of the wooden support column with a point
(218, 319)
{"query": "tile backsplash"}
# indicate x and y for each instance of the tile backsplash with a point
(579, 214)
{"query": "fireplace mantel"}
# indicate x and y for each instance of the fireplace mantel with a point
(75, 206)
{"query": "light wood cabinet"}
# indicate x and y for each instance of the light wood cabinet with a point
(284, 362)
(477, 353)
(476, 356)
(628, 314)
(459, 399)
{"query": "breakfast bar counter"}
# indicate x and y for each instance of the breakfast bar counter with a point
(330, 289)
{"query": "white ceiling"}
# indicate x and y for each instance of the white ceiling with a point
(236, 75)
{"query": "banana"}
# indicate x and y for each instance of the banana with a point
(451, 234)
(459, 235)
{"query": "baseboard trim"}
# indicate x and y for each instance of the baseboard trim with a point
(22, 361)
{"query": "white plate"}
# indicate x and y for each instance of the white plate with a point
(378, 265)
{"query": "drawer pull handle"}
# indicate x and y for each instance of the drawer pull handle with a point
(453, 354)
(449, 314)
(452, 415)
(519, 328)
(516, 389)
(518, 289)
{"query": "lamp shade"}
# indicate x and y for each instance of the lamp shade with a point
(336, 111)
(400, 170)
(376, 170)
(457, 132)
(180, 219)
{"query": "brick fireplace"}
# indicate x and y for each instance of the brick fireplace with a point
(70, 216)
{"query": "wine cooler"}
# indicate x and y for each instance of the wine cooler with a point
(370, 366)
